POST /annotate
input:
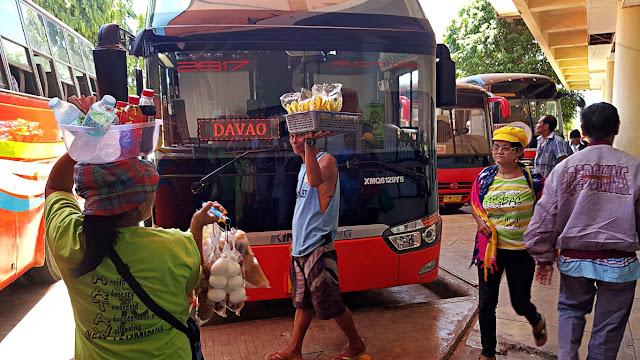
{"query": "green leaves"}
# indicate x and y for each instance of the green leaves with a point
(480, 43)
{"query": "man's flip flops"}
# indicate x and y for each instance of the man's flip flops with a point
(359, 357)
(274, 356)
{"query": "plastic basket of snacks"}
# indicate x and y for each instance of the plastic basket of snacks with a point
(93, 145)
(318, 109)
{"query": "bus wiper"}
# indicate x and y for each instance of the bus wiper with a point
(413, 175)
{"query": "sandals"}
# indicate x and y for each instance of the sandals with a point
(275, 355)
(541, 336)
(358, 357)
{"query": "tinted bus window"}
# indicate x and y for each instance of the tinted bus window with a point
(75, 51)
(15, 53)
(10, 25)
(87, 54)
(57, 42)
(34, 23)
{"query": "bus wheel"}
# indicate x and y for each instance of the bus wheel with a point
(47, 273)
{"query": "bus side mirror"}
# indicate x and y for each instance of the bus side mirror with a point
(446, 94)
(504, 104)
(110, 58)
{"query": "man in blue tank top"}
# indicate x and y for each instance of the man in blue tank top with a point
(314, 261)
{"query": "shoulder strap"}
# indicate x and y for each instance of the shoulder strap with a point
(123, 270)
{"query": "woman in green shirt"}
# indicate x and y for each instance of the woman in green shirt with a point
(111, 321)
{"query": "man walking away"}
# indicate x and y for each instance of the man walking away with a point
(575, 144)
(314, 263)
(551, 148)
(590, 210)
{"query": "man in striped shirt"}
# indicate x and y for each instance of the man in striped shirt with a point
(551, 148)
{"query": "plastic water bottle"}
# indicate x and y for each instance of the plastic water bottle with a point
(83, 147)
(109, 147)
(65, 113)
(101, 114)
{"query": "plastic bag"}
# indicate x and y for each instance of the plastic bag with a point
(253, 274)
(289, 101)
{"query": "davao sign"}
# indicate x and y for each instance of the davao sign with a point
(237, 129)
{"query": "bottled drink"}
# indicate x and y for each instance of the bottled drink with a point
(65, 113)
(149, 110)
(101, 114)
(132, 113)
(147, 106)
(120, 105)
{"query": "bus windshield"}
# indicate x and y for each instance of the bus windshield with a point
(463, 130)
(220, 104)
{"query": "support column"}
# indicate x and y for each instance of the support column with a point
(626, 86)
(608, 90)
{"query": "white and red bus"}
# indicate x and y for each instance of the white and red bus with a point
(40, 57)
(530, 95)
(464, 142)
(218, 70)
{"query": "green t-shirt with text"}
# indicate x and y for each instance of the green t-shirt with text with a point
(111, 321)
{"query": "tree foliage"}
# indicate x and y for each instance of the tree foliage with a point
(480, 43)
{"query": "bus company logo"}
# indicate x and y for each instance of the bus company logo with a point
(281, 238)
(384, 180)
(379, 64)
(236, 129)
(454, 186)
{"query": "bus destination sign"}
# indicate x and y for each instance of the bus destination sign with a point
(237, 129)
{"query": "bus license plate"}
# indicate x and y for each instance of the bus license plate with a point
(452, 198)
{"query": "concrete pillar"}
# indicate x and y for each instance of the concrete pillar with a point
(608, 90)
(626, 86)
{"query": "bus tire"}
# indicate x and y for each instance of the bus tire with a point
(47, 273)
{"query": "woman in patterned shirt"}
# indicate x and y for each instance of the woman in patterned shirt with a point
(503, 198)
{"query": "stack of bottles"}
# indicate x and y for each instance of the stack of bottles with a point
(99, 144)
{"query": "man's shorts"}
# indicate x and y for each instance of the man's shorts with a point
(317, 287)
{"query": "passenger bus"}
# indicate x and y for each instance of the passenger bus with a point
(464, 142)
(530, 95)
(218, 85)
(40, 58)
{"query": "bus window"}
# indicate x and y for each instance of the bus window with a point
(75, 51)
(47, 77)
(87, 55)
(83, 84)
(10, 25)
(34, 24)
(57, 42)
(64, 73)
(20, 68)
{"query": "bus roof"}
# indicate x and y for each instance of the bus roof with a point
(488, 79)
(398, 23)
(470, 88)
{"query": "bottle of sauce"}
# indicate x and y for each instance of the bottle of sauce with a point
(132, 113)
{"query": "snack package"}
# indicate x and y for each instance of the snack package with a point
(289, 101)
(323, 97)
(333, 96)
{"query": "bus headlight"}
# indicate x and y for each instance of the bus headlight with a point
(414, 225)
(406, 241)
(430, 235)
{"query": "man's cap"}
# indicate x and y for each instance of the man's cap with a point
(115, 188)
(368, 137)
(511, 134)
